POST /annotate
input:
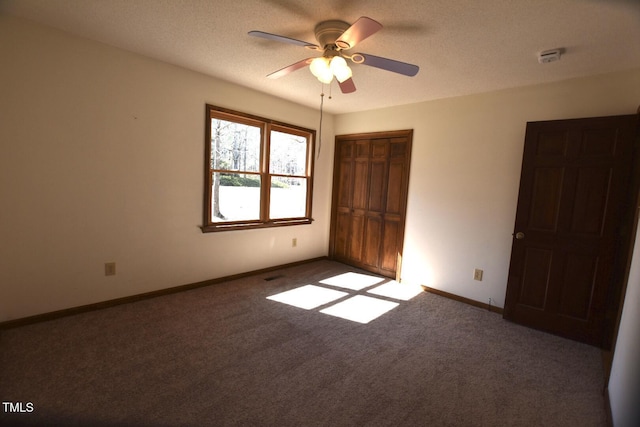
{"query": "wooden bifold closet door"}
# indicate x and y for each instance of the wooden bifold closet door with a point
(370, 183)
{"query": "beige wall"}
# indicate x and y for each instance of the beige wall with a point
(624, 383)
(102, 160)
(465, 172)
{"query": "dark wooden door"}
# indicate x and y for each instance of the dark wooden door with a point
(371, 177)
(572, 226)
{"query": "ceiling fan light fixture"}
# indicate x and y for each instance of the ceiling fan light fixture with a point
(320, 68)
(334, 37)
(340, 69)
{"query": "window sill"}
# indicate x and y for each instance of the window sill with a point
(213, 228)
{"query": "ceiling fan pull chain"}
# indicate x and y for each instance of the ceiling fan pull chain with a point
(320, 125)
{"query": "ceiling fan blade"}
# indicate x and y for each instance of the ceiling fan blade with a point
(282, 39)
(360, 30)
(389, 64)
(290, 69)
(347, 86)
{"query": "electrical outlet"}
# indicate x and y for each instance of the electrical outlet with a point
(110, 269)
(294, 242)
(477, 274)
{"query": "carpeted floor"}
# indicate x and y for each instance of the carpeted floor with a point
(225, 355)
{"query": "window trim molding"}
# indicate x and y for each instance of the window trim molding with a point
(266, 124)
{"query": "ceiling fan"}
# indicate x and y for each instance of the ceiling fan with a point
(334, 38)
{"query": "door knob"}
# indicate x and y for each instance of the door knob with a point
(519, 235)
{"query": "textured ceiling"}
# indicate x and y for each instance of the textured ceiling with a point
(462, 46)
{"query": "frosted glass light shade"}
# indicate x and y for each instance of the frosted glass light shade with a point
(340, 69)
(320, 68)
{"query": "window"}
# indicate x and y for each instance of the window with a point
(258, 172)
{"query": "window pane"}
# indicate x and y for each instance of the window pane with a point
(288, 197)
(234, 146)
(288, 154)
(235, 197)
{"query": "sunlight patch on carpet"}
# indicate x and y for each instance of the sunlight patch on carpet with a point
(361, 297)
(308, 296)
(353, 281)
(360, 308)
(395, 290)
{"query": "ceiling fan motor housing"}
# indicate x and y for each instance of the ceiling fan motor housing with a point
(328, 32)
